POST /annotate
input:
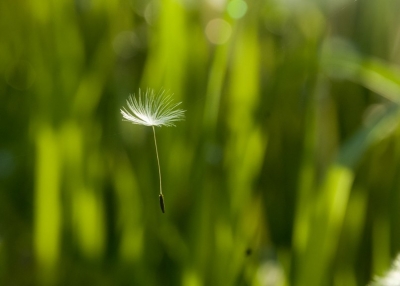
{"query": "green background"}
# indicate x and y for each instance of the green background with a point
(286, 170)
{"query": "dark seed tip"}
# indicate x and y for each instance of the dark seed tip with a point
(162, 203)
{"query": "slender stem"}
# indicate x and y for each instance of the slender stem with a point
(158, 160)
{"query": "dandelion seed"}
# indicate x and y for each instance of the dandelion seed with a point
(151, 109)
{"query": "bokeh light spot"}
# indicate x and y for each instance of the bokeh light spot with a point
(218, 31)
(152, 12)
(237, 9)
(218, 5)
(125, 44)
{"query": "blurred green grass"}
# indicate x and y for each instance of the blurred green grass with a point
(285, 172)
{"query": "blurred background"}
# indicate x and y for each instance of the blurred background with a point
(286, 170)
